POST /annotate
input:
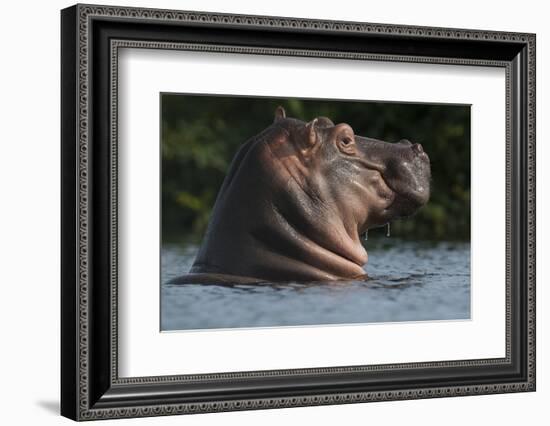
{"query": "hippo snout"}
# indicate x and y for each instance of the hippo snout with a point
(415, 147)
(409, 174)
(405, 167)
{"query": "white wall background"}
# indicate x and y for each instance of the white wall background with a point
(29, 212)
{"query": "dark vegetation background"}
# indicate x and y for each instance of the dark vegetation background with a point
(200, 135)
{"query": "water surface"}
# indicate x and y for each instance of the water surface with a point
(408, 281)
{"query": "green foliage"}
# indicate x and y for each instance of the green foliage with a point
(200, 135)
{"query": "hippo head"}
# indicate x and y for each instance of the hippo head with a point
(370, 181)
(298, 196)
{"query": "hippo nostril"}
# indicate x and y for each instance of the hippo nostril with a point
(417, 148)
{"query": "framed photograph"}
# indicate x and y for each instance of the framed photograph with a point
(263, 212)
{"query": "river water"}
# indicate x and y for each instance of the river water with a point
(408, 281)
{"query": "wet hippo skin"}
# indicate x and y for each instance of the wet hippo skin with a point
(297, 198)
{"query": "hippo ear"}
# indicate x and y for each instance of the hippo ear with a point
(311, 132)
(279, 114)
(324, 122)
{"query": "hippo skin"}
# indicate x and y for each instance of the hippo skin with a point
(297, 198)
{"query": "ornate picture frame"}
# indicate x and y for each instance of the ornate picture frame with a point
(91, 37)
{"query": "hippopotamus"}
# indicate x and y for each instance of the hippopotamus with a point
(298, 197)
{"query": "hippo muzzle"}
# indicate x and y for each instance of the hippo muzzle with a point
(404, 167)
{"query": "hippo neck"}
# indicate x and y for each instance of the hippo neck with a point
(317, 249)
(307, 225)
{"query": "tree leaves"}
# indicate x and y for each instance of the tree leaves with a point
(200, 134)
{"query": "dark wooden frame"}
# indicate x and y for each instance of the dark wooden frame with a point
(90, 386)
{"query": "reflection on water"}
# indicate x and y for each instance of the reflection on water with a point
(407, 282)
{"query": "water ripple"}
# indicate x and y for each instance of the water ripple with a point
(407, 282)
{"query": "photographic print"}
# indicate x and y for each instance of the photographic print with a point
(301, 212)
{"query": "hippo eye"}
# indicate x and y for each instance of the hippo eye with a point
(346, 141)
